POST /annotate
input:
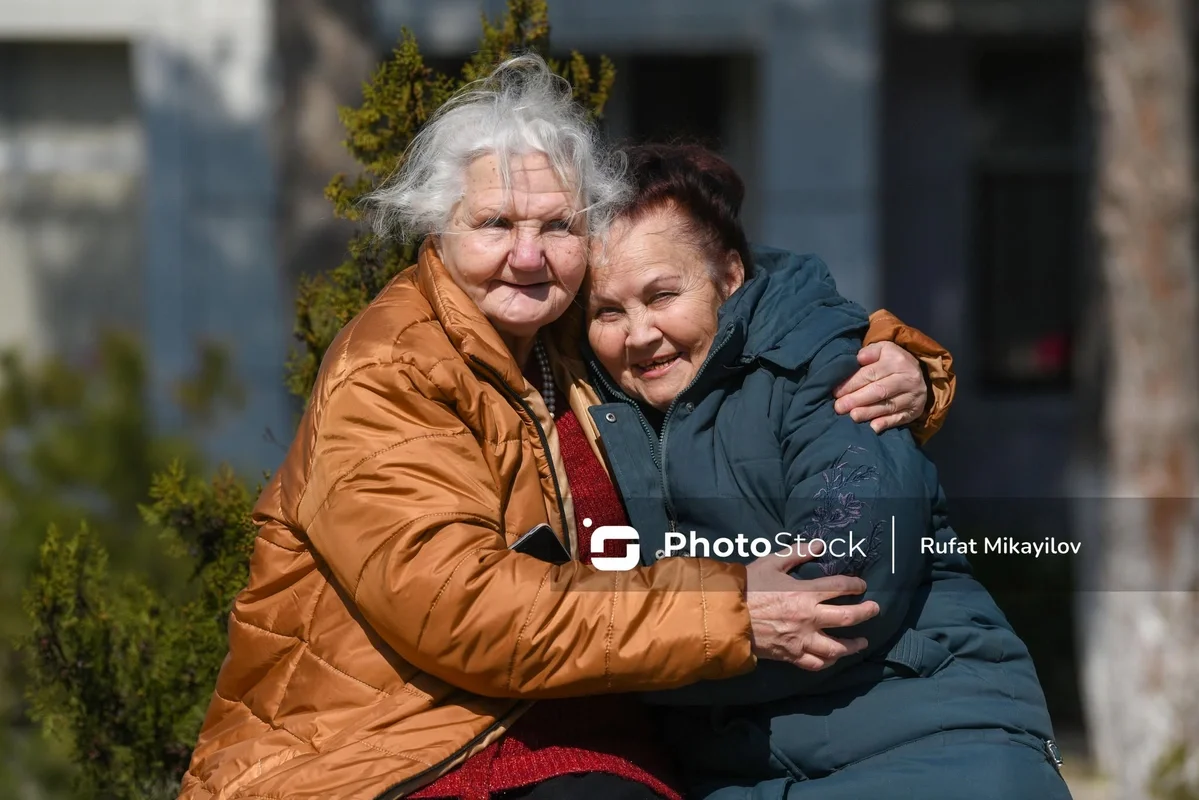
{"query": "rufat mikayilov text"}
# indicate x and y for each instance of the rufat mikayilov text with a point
(999, 545)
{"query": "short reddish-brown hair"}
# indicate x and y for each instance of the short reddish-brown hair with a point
(702, 185)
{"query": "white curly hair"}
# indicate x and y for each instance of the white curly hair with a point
(520, 108)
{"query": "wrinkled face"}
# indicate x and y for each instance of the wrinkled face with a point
(652, 307)
(521, 258)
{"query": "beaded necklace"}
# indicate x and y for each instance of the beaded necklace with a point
(547, 376)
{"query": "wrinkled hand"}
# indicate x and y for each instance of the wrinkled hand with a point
(788, 615)
(888, 390)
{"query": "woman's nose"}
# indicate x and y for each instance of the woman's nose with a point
(643, 332)
(527, 251)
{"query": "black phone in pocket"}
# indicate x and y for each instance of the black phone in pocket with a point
(543, 544)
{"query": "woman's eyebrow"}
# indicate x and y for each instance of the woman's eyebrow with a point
(485, 212)
(663, 275)
(599, 297)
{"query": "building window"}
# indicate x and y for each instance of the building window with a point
(71, 169)
(1030, 209)
(707, 99)
(674, 97)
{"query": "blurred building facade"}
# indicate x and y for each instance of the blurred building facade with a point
(934, 152)
(137, 191)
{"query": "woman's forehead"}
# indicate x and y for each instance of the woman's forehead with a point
(644, 254)
(655, 240)
(624, 282)
(531, 178)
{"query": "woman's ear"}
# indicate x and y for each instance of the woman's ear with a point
(734, 274)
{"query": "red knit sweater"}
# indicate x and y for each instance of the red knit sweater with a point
(588, 734)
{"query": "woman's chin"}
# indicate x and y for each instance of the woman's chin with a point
(657, 397)
(525, 319)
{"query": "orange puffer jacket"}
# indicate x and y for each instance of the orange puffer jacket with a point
(387, 633)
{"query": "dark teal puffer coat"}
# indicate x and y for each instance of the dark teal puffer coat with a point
(945, 702)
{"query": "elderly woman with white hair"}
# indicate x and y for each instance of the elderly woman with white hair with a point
(398, 627)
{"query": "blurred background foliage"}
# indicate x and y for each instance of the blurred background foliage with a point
(77, 449)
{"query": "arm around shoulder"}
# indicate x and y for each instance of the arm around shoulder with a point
(935, 360)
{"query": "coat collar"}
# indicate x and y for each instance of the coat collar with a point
(473, 335)
(790, 309)
(468, 329)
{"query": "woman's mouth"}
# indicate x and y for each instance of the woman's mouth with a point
(536, 291)
(527, 286)
(656, 367)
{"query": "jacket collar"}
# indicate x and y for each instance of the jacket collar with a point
(790, 309)
(473, 335)
(468, 329)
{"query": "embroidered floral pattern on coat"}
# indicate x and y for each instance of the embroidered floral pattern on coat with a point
(837, 514)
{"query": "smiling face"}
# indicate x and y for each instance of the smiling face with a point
(520, 255)
(653, 304)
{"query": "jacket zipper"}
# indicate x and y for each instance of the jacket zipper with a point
(670, 412)
(658, 443)
(498, 381)
(650, 434)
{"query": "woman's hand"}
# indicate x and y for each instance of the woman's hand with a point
(888, 391)
(788, 615)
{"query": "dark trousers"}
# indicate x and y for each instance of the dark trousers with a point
(584, 786)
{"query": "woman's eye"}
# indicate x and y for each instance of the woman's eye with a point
(661, 297)
(607, 313)
(496, 222)
(558, 226)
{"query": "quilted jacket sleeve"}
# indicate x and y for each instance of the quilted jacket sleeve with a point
(401, 507)
(935, 360)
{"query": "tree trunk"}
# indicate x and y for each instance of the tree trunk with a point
(325, 50)
(1141, 633)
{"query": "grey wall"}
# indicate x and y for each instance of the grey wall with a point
(189, 253)
(71, 169)
(996, 444)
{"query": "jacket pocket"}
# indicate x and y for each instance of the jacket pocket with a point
(916, 654)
